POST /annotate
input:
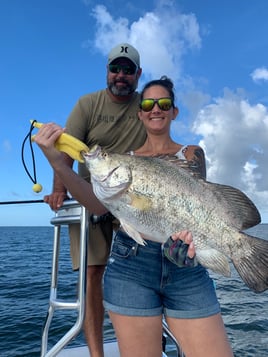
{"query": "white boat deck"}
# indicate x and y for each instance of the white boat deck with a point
(110, 350)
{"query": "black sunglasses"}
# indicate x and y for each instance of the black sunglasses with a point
(116, 68)
(163, 103)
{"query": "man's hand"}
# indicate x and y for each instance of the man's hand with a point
(55, 199)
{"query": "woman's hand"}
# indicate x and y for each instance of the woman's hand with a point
(46, 137)
(180, 250)
(187, 238)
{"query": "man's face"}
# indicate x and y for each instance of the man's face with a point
(122, 77)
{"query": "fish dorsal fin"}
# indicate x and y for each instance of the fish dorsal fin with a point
(192, 167)
(242, 211)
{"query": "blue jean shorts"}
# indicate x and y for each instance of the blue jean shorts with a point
(140, 281)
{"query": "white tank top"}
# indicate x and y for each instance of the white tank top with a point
(180, 154)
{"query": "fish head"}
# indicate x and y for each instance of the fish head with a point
(110, 173)
(100, 163)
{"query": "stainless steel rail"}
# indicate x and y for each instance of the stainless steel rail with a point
(70, 212)
(169, 334)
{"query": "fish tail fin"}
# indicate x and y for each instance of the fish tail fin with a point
(251, 262)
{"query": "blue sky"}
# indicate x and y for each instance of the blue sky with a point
(52, 52)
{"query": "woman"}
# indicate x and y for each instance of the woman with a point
(143, 282)
(138, 288)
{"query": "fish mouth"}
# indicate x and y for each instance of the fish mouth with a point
(92, 153)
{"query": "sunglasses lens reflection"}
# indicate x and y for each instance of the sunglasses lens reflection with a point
(163, 103)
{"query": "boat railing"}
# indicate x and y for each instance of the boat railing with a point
(72, 212)
(169, 334)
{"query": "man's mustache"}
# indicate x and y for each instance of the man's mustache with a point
(121, 81)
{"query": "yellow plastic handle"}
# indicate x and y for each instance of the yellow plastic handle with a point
(36, 124)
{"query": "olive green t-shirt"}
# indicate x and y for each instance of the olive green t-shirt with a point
(96, 119)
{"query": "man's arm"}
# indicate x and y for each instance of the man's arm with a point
(59, 192)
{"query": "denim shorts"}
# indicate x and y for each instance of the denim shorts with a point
(140, 281)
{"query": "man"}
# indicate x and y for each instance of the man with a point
(108, 118)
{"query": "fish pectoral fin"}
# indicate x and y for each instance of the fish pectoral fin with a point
(214, 260)
(132, 232)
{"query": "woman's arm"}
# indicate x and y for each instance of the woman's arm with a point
(80, 189)
(196, 160)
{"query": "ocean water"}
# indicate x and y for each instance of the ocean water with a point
(25, 267)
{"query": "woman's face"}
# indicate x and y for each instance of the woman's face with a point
(157, 120)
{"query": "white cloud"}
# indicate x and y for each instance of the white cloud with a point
(234, 135)
(260, 74)
(161, 47)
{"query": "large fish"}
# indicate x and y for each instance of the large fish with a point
(154, 198)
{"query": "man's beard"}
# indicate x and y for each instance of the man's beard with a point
(122, 91)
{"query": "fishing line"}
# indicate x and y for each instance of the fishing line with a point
(36, 187)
